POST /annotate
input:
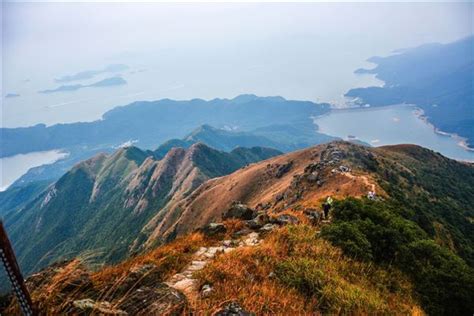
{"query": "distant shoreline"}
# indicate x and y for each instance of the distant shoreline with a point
(461, 141)
(418, 112)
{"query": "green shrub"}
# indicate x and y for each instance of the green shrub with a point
(369, 230)
(303, 274)
(348, 237)
(444, 281)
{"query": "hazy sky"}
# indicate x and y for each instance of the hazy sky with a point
(299, 51)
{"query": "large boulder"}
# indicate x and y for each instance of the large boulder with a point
(283, 169)
(261, 219)
(239, 211)
(213, 229)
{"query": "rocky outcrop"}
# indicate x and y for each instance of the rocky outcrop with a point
(213, 229)
(239, 211)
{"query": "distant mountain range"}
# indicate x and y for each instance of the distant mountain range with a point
(286, 130)
(152, 123)
(439, 78)
(285, 138)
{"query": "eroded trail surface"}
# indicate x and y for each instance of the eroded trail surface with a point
(184, 280)
(365, 179)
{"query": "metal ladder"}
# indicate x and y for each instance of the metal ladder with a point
(14, 274)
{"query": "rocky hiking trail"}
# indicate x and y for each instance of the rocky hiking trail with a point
(184, 280)
(188, 284)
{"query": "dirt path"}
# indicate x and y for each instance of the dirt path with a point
(364, 178)
(184, 280)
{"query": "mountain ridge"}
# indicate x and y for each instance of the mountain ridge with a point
(399, 235)
(137, 121)
(112, 195)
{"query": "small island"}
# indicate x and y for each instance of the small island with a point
(89, 74)
(12, 95)
(107, 82)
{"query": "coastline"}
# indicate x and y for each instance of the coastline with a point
(418, 112)
(461, 141)
(19, 164)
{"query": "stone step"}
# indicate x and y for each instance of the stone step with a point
(185, 284)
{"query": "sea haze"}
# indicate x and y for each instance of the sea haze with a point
(299, 51)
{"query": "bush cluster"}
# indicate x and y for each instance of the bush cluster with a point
(376, 231)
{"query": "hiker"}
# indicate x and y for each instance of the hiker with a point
(371, 195)
(327, 207)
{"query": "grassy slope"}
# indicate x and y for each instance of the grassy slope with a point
(16, 197)
(296, 272)
(88, 211)
(309, 276)
(424, 229)
(426, 217)
(413, 246)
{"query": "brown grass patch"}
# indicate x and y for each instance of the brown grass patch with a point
(295, 272)
(169, 259)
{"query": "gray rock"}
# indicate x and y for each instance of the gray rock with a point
(344, 169)
(157, 300)
(283, 169)
(240, 211)
(233, 309)
(263, 206)
(267, 227)
(312, 177)
(227, 243)
(213, 229)
(206, 290)
(313, 215)
(261, 219)
(254, 224)
(285, 219)
(242, 232)
(88, 306)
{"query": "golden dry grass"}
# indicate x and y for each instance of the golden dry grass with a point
(295, 272)
(169, 259)
(61, 285)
